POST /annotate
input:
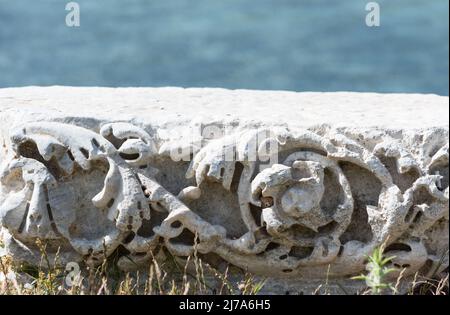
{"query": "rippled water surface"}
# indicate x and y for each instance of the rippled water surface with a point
(310, 45)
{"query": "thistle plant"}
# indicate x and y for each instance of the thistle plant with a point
(378, 270)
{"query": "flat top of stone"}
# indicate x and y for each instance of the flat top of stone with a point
(170, 104)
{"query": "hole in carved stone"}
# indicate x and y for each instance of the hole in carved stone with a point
(84, 152)
(256, 213)
(283, 257)
(443, 170)
(399, 266)
(138, 179)
(185, 238)
(129, 156)
(116, 142)
(45, 188)
(300, 252)
(30, 150)
(50, 215)
(49, 211)
(328, 228)
(398, 246)
(238, 169)
(176, 224)
(341, 250)
(95, 142)
(110, 203)
(366, 190)
(146, 228)
(287, 270)
(417, 217)
(325, 249)
(129, 238)
(261, 234)
(409, 214)
(24, 219)
(403, 181)
(70, 155)
(272, 246)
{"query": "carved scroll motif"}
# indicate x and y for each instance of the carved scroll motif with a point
(328, 201)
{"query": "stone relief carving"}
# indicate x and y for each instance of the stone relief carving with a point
(327, 202)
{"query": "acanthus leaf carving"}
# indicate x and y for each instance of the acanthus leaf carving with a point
(89, 193)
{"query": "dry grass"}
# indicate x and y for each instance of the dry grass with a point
(167, 277)
(163, 277)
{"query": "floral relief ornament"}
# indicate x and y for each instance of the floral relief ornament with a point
(86, 193)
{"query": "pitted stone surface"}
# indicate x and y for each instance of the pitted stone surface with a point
(281, 184)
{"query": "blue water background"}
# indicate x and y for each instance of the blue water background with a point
(310, 45)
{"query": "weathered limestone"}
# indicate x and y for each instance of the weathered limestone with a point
(282, 184)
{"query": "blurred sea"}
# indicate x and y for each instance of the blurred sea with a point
(301, 45)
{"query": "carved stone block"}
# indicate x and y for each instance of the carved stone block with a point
(281, 184)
